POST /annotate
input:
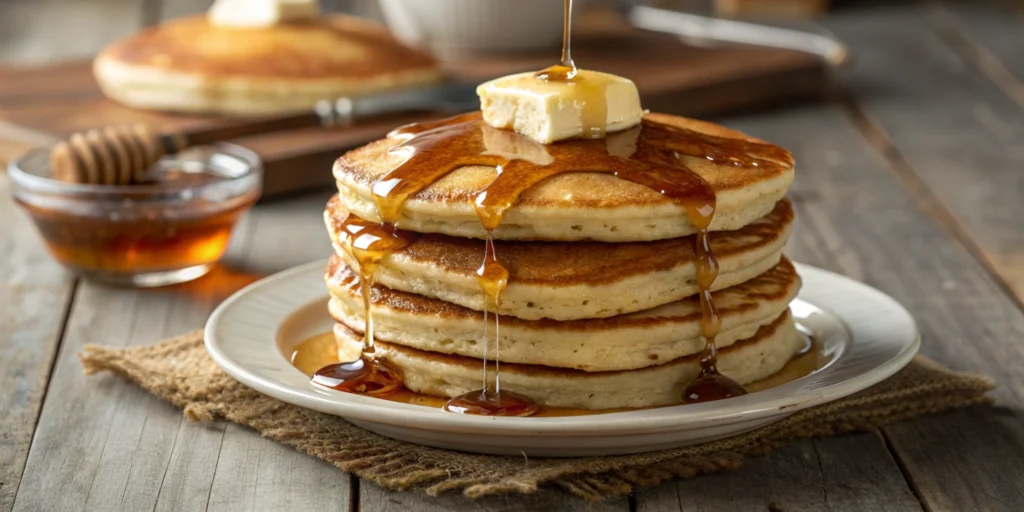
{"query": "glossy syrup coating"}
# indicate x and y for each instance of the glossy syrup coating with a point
(492, 403)
(651, 154)
(369, 243)
(366, 375)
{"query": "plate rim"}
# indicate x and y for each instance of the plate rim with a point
(661, 419)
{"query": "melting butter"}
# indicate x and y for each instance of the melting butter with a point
(586, 104)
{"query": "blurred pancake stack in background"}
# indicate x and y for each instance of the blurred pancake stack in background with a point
(216, 63)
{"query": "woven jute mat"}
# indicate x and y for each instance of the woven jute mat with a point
(179, 371)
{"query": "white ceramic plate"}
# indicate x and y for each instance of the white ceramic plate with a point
(866, 335)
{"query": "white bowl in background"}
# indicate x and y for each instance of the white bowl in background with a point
(453, 29)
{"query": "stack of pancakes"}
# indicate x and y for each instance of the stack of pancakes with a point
(600, 310)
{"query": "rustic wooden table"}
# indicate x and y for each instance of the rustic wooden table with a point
(910, 178)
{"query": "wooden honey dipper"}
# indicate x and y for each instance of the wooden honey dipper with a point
(110, 156)
(123, 155)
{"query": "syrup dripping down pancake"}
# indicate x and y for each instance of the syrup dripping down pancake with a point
(566, 281)
(625, 342)
(432, 373)
(575, 205)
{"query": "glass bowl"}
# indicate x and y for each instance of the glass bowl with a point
(154, 234)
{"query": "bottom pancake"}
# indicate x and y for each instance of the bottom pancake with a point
(436, 374)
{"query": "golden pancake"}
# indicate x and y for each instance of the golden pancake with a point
(431, 373)
(191, 65)
(624, 342)
(565, 281)
(572, 206)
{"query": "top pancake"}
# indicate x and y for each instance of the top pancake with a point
(256, 70)
(572, 206)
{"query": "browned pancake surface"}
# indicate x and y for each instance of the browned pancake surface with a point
(573, 190)
(775, 285)
(572, 263)
(333, 47)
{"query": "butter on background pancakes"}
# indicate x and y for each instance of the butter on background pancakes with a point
(432, 373)
(567, 207)
(191, 65)
(625, 342)
(565, 281)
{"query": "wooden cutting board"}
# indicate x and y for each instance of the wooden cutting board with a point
(39, 105)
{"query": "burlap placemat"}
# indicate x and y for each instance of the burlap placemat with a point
(180, 371)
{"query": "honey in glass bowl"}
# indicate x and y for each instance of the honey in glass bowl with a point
(171, 229)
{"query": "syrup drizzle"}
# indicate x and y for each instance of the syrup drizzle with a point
(651, 154)
(588, 89)
(371, 374)
(492, 278)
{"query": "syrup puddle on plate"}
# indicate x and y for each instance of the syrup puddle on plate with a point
(321, 350)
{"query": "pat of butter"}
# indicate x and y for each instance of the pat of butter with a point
(587, 106)
(261, 13)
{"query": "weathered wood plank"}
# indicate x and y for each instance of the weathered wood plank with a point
(373, 498)
(256, 474)
(253, 473)
(854, 217)
(956, 135)
(789, 478)
(106, 445)
(973, 456)
(35, 293)
(986, 32)
(859, 474)
(46, 30)
(850, 473)
(957, 130)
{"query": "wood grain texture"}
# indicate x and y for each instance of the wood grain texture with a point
(964, 460)
(854, 217)
(35, 293)
(848, 473)
(110, 446)
(962, 139)
(373, 498)
(987, 35)
(789, 478)
(858, 473)
(253, 473)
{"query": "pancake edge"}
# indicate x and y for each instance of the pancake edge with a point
(527, 221)
(747, 361)
(626, 342)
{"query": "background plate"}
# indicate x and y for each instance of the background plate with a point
(867, 335)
